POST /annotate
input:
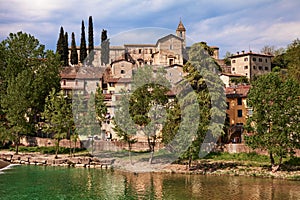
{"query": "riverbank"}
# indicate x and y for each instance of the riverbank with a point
(200, 167)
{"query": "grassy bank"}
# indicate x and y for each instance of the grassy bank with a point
(48, 150)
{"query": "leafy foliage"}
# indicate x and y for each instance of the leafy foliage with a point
(274, 125)
(58, 116)
(28, 73)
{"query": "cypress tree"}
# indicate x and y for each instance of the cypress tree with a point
(74, 54)
(91, 34)
(66, 50)
(83, 52)
(60, 44)
(104, 48)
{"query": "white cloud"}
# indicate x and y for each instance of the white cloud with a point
(232, 25)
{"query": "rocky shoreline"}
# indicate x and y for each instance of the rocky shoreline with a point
(50, 160)
(216, 168)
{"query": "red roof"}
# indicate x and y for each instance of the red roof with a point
(237, 90)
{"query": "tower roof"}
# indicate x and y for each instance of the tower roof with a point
(180, 26)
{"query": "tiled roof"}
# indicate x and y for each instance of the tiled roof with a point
(180, 26)
(237, 91)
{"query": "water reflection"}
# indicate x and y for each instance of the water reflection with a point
(32, 182)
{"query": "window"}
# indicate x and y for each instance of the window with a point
(111, 84)
(76, 82)
(233, 61)
(150, 51)
(245, 59)
(180, 33)
(171, 46)
(171, 61)
(97, 84)
(254, 59)
(246, 67)
(239, 101)
(122, 71)
(260, 67)
(64, 82)
(151, 62)
(266, 60)
(240, 113)
(254, 67)
(228, 105)
(140, 51)
(233, 69)
(267, 68)
(260, 60)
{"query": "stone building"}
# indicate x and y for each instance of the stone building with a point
(250, 64)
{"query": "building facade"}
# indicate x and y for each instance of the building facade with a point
(250, 64)
(237, 111)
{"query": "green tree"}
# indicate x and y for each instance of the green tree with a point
(91, 123)
(100, 106)
(274, 125)
(58, 117)
(146, 102)
(66, 50)
(91, 34)
(227, 58)
(202, 102)
(17, 107)
(83, 51)
(25, 61)
(74, 54)
(293, 59)
(61, 46)
(123, 124)
(104, 48)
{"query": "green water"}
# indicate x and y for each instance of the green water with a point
(35, 182)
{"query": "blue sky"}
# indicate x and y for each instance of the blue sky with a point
(233, 25)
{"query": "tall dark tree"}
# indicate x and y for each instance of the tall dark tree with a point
(91, 34)
(66, 50)
(60, 46)
(103, 35)
(104, 48)
(74, 54)
(83, 50)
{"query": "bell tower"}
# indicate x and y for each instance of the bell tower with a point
(180, 32)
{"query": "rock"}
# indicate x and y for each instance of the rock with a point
(79, 165)
(3, 164)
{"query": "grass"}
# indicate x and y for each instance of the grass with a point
(254, 157)
(46, 150)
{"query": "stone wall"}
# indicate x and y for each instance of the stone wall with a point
(240, 148)
(47, 142)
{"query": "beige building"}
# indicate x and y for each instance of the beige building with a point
(250, 64)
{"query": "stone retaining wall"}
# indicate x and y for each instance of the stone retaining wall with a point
(49, 160)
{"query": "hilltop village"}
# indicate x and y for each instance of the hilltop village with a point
(169, 52)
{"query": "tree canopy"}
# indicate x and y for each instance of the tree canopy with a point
(274, 125)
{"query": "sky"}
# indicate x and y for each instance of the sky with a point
(232, 25)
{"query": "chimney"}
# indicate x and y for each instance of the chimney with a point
(237, 53)
(250, 51)
(243, 51)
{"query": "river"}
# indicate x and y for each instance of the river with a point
(38, 182)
